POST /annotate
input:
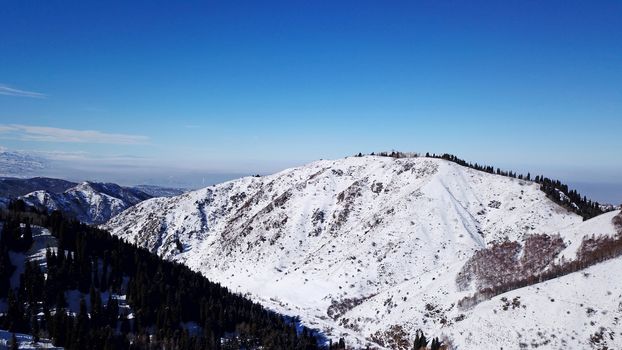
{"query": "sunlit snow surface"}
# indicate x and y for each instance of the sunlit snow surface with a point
(381, 239)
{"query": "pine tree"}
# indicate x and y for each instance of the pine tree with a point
(112, 311)
(81, 328)
(14, 320)
(436, 344)
(420, 341)
(27, 237)
(34, 328)
(6, 270)
(14, 344)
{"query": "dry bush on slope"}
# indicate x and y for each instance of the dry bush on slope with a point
(503, 264)
(593, 249)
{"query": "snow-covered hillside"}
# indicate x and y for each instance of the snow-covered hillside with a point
(89, 202)
(367, 247)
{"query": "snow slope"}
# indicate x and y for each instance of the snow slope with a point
(581, 310)
(89, 202)
(550, 315)
(365, 247)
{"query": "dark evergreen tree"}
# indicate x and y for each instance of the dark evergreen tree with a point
(436, 344)
(6, 269)
(27, 236)
(14, 320)
(420, 341)
(14, 344)
(34, 328)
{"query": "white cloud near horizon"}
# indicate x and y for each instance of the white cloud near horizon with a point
(90, 158)
(52, 134)
(9, 91)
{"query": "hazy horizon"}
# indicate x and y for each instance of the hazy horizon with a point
(603, 191)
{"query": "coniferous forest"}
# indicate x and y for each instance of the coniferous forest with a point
(167, 306)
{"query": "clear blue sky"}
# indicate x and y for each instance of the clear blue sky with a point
(244, 87)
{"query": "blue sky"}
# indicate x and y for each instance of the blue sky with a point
(246, 87)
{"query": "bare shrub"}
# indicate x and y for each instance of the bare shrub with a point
(490, 267)
(538, 252)
(593, 250)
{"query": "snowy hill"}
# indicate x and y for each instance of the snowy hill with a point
(373, 248)
(89, 202)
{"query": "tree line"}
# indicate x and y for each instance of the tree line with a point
(555, 190)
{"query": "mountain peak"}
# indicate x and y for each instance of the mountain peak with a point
(326, 238)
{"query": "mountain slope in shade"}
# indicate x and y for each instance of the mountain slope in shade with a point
(89, 202)
(11, 187)
(367, 247)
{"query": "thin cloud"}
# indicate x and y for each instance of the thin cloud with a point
(6, 128)
(62, 155)
(50, 134)
(9, 91)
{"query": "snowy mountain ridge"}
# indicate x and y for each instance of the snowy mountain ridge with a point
(89, 202)
(371, 248)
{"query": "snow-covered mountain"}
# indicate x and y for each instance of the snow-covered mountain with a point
(89, 202)
(374, 248)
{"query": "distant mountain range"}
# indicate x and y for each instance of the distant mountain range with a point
(11, 187)
(89, 202)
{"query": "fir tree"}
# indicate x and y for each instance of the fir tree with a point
(436, 344)
(14, 345)
(420, 341)
(27, 236)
